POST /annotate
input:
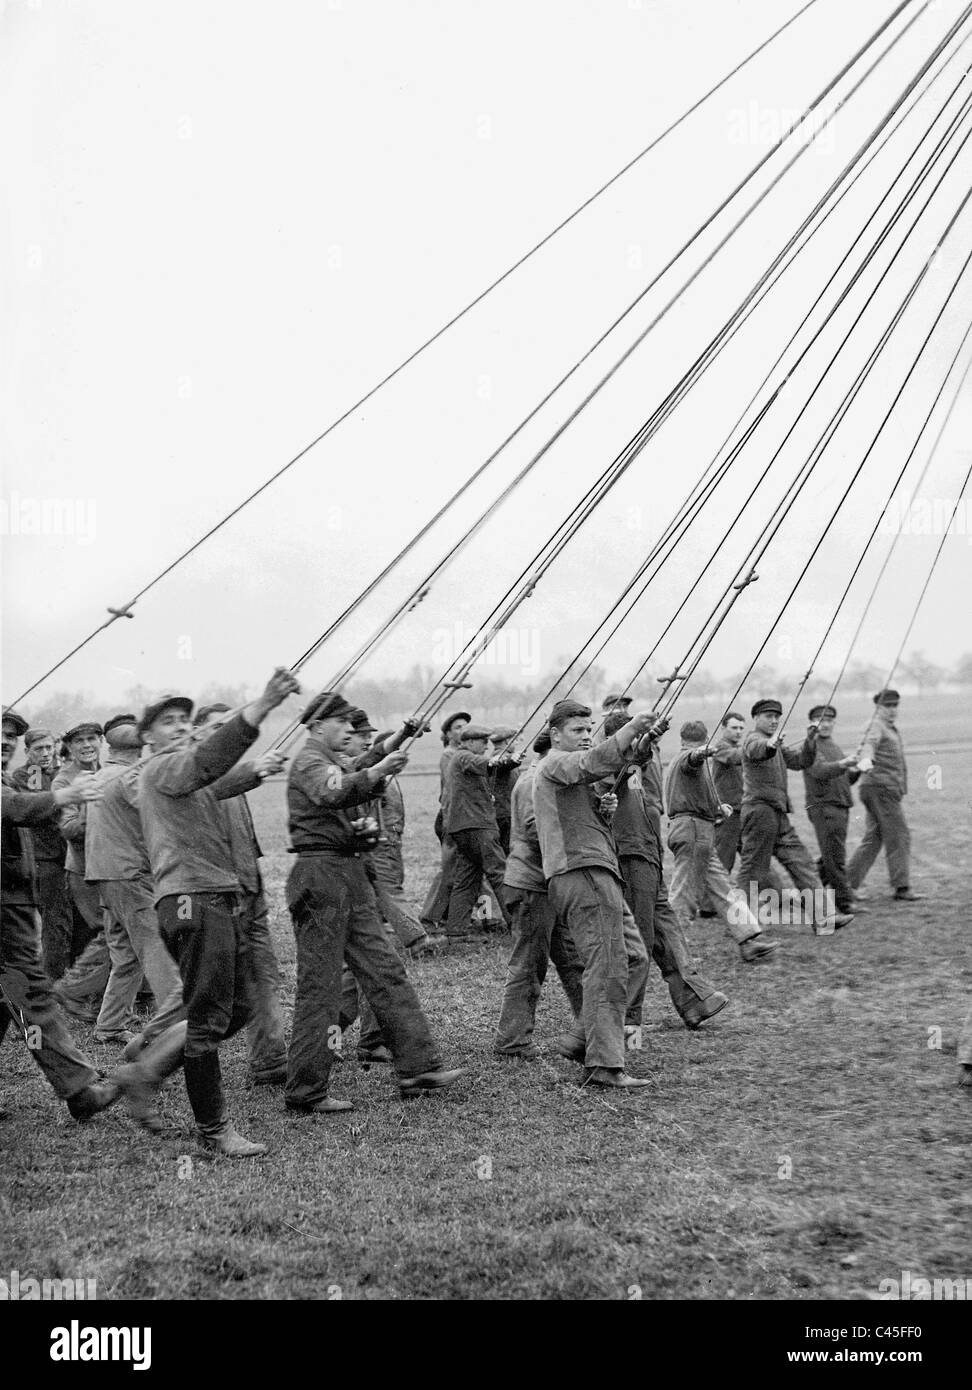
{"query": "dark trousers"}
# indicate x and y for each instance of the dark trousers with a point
(885, 826)
(728, 834)
(478, 855)
(26, 999)
(538, 938)
(57, 916)
(647, 896)
(335, 917)
(767, 833)
(206, 935)
(830, 824)
(86, 911)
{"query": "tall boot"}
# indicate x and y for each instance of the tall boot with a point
(205, 1086)
(141, 1081)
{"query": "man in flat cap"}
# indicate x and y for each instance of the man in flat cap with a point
(435, 909)
(766, 830)
(693, 808)
(883, 787)
(502, 778)
(615, 700)
(584, 882)
(25, 991)
(636, 825)
(267, 1045)
(388, 861)
(115, 1016)
(335, 917)
(198, 896)
(828, 783)
(81, 988)
(469, 820)
(538, 934)
(50, 849)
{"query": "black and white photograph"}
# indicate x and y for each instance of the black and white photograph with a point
(486, 666)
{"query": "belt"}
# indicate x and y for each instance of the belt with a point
(326, 853)
(693, 814)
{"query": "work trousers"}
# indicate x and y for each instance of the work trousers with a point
(265, 1034)
(698, 875)
(478, 855)
(129, 902)
(57, 917)
(830, 826)
(26, 999)
(965, 1042)
(538, 938)
(206, 935)
(389, 885)
(86, 911)
(646, 895)
(885, 826)
(335, 916)
(767, 832)
(728, 836)
(591, 903)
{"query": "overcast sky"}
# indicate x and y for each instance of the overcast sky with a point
(229, 220)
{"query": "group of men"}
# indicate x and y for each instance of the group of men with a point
(160, 866)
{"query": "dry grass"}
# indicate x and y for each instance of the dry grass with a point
(821, 1069)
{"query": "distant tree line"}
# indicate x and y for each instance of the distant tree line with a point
(389, 698)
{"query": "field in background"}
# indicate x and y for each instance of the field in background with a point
(808, 1144)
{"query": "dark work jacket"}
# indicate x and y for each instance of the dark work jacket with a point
(826, 782)
(21, 809)
(468, 801)
(47, 840)
(765, 772)
(323, 797)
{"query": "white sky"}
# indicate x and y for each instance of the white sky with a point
(227, 221)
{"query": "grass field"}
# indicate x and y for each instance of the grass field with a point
(807, 1144)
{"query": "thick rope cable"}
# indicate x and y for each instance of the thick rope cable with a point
(420, 591)
(877, 525)
(698, 502)
(921, 598)
(894, 541)
(582, 510)
(897, 317)
(125, 609)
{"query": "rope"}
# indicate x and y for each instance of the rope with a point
(583, 509)
(125, 610)
(699, 501)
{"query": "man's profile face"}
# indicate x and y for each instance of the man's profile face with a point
(8, 742)
(455, 731)
(889, 713)
(825, 725)
(734, 731)
(574, 735)
(41, 753)
(335, 733)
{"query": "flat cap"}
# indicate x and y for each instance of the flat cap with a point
(327, 705)
(503, 733)
(10, 716)
(615, 698)
(88, 726)
(450, 719)
(472, 731)
(887, 697)
(204, 711)
(360, 722)
(766, 707)
(117, 719)
(151, 712)
(32, 736)
(541, 744)
(823, 712)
